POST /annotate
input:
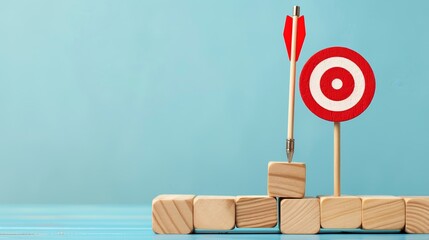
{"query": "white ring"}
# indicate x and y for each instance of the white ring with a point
(355, 96)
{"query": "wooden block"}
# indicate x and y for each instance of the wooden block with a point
(172, 214)
(417, 214)
(383, 213)
(340, 212)
(286, 179)
(255, 212)
(214, 212)
(300, 216)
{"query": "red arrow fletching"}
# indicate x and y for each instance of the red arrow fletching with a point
(300, 35)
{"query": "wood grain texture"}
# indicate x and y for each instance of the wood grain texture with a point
(340, 212)
(172, 214)
(417, 214)
(300, 216)
(383, 213)
(255, 212)
(214, 212)
(286, 179)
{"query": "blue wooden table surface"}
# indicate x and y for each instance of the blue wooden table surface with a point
(122, 222)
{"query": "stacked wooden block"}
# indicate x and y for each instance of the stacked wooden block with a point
(287, 207)
(181, 214)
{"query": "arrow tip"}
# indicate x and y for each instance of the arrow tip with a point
(290, 148)
(289, 157)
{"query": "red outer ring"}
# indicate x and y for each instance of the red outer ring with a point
(329, 115)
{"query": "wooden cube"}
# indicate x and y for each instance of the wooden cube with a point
(383, 213)
(286, 179)
(300, 216)
(416, 214)
(214, 212)
(255, 212)
(340, 212)
(172, 214)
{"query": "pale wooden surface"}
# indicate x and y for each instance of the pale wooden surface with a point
(214, 212)
(172, 214)
(337, 159)
(255, 212)
(383, 213)
(286, 179)
(300, 216)
(340, 212)
(417, 214)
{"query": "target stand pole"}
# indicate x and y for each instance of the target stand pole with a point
(337, 151)
(290, 143)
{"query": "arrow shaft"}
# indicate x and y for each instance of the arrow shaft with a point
(292, 78)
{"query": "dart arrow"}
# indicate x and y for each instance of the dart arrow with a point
(294, 34)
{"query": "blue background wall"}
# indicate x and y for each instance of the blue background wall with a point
(118, 101)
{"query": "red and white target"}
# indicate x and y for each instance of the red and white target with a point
(337, 84)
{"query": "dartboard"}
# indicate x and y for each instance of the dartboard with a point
(337, 84)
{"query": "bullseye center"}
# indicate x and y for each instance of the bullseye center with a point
(337, 83)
